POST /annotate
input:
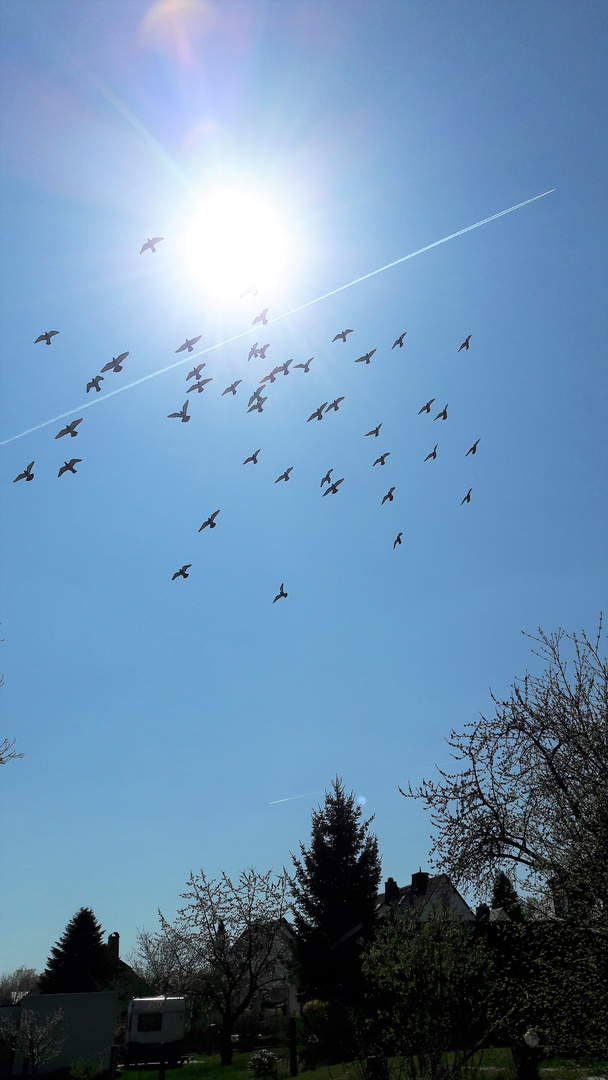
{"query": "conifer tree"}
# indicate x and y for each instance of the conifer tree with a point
(79, 962)
(334, 890)
(504, 896)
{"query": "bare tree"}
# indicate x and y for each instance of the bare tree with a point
(15, 984)
(227, 944)
(38, 1037)
(532, 793)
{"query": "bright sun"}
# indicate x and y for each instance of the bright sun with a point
(235, 242)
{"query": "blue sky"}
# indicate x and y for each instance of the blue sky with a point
(161, 720)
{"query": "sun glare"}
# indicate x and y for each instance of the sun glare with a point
(235, 242)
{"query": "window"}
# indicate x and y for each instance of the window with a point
(149, 1021)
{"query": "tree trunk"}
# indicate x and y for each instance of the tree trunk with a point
(226, 1042)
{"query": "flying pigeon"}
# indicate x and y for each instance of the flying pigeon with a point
(473, 449)
(389, 495)
(70, 429)
(305, 367)
(189, 343)
(150, 244)
(375, 431)
(252, 457)
(280, 594)
(258, 405)
(182, 414)
(285, 475)
(333, 487)
(94, 383)
(69, 465)
(365, 359)
(397, 540)
(182, 572)
(211, 522)
(335, 404)
(199, 385)
(46, 337)
(261, 318)
(27, 474)
(443, 415)
(399, 341)
(426, 408)
(256, 395)
(318, 413)
(342, 335)
(433, 453)
(465, 343)
(327, 478)
(262, 351)
(115, 364)
(251, 289)
(232, 388)
(381, 460)
(254, 351)
(196, 372)
(467, 497)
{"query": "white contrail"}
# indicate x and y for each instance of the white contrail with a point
(245, 333)
(290, 797)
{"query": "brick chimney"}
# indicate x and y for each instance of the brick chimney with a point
(114, 949)
(419, 883)
(391, 891)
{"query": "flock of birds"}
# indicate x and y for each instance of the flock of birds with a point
(255, 404)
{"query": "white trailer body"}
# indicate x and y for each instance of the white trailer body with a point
(155, 1029)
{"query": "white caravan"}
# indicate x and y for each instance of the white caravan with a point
(155, 1030)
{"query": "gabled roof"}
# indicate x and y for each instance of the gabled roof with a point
(423, 892)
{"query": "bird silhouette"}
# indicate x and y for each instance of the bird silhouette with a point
(399, 341)
(284, 367)
(251, 289)
(280, 594)
(389, 495)
(68, 466)
(261, 318)
(94, 383)
(433, 453)
(189, 343)
(335, 404)
(252, 457)
(211, 522)
(375, 431)
(397, 540)
(318, 413)
(426, 408)
(256, 395)
(199, 385)
(473, 449)
(443, 415)
(69, 429)
(305, 367)
(150, 244)
(232, 388)
(465, 343)
(365, 359)
(467, 497)
(258, 405)
(27, 474)
(285, 475)
(262, 350)
(182, 414)
(46, 337)
(253, 352)
(196, 372)
(333, 487)
(327, 478)
(115, 364)
(182, 572)
(342, 336)
(271, 377)
(382, 458)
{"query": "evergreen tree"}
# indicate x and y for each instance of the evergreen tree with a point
(80, 961)
(504, 896)
(334, 890)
